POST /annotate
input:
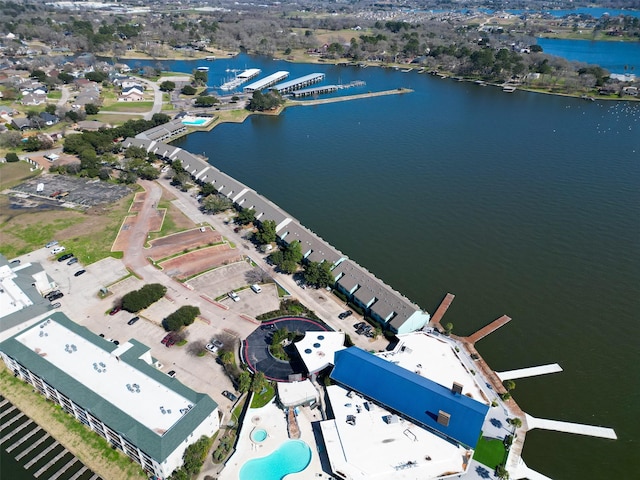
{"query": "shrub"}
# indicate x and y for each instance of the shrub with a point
(12, 157)
(185, 315)
(140, 299)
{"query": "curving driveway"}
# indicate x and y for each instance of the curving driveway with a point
(255, 349)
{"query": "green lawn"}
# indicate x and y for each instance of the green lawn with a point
(490, 452)
(261, 399)
(128, 107)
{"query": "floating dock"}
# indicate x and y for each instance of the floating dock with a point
(313, 91)
(298, 83)
(266, 82)
(529, 372)
(441, 310)
(567, 427)
(240, 79)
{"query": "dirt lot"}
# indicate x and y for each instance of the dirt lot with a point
(138, 202)
(170, 245)
(201, 260)
(81, 191)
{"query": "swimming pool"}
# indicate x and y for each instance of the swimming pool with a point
(195, 121)
(292, 456)
(259, 435)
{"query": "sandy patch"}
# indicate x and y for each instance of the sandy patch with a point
(193, 263)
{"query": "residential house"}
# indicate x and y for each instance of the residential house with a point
(22, 123)
(131, 96)
(49, 119)
(33, 99)
(90, 125)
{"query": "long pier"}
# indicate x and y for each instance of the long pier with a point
(529, 372)
(442, 309)
(398, 91)
(492, 327)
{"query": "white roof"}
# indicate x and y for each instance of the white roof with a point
(12, 298)
(296, 393)
(317, 349)
(151, 403)
(382, 446)
(434, 358)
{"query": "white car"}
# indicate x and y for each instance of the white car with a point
(234, 296)
(211, 347)
(57, 250)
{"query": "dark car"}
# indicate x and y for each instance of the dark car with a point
(64, 257)
(115, 310)
(358, 325)
(229, 395)
(50, 294)
(170, 342)
(166, 338)
(344, 315)
(171, 373)
(56, 296)
(72, 261)
(78, 273)
(133, 320)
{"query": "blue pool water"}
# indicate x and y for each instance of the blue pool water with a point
(292, 456)
(198, 121)
(259, 435)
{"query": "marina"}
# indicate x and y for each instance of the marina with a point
(239, 79)
(313, 91)
(297, 83)
(266, 82)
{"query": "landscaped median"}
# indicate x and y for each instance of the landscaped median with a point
(89, 447)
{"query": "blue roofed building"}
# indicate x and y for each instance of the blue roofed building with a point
(441, 409)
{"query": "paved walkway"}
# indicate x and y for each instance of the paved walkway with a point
(492, 327)
(442, 309)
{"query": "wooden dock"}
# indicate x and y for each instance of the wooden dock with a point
(492, 327)
(442, 309)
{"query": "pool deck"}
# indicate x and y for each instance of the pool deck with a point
(274, 421)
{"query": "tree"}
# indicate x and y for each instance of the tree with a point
(261, 102)
(318, 274)
(245, 216)
(39, 75)
(515, 421)
(509, 385)
(206, 101)
(266, 232)
(65, 77)
(97, 77)
(167, 86)
(200, 77)
(244, 381)
(259, 382)
(12, 157)
(227, 357)
(188, 90)
(215, 204)
(448, 328)
(50, 109)
(91, 109)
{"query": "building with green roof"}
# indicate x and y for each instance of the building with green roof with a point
(113, 389)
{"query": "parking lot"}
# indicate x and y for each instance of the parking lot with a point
(82, 303)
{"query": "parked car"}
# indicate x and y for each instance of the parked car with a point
(50, 294)
(15, 262)
(229, 395)
(170, 342)
(211, 348)
(133, 320)
(115, 310)
(217, 343)
(78, 273)
(52, 243)
(344, 315)
(56, 296)
(171, 373)
(234, 296)
(72, 260)
(256, 288)
(57, 250)
(166, 338)
(56, 305)
(359, 325)
(64, 257)
(268, 326)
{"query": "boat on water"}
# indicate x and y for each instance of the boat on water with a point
(202, 69)
(209, 58)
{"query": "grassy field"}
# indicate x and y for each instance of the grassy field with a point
(115, 119)
(12, 174)
(89, 447)
(134, 107)
(89, 235)
(490, 452)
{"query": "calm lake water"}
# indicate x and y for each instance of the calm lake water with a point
(612, 55)
(523, 204)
